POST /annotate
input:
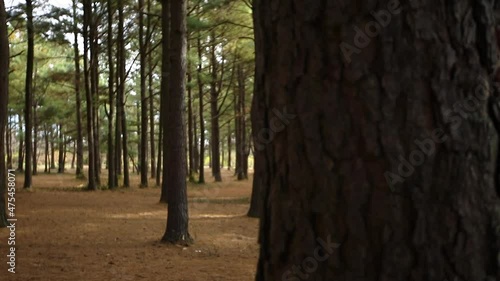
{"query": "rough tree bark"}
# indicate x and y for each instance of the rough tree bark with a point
(333, 125)
(174, 133)
(87, 11)
(112, 173)
(29, 97)
(4, 98)
(165, 92)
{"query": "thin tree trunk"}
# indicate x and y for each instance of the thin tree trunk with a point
(35, 139)
(229, 142)
(214, 113)
(60, 165)
(94, 88)
(73, 156)
(200, 113)
(151, 94)
(196, 153)
(9, 143)
(29, 96)
(121, 93)
(191, 168)
(143, 49)
(20, 164)
(52, 149)
(174, 134)
(79, 127)
(47, 146)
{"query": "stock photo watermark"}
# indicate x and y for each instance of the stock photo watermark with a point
(426, 147)
(265, 136)
(372, 29)
(11, 211)
(310, 264)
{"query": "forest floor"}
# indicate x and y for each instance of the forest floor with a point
(66, 233)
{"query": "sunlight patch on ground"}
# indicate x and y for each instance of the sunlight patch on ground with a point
(137, 215)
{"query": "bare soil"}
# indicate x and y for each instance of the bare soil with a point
(66, 233)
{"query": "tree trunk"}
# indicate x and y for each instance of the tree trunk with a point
(47, 146)
(94, 87)
(9, 142)
(165, 93)
(79, 127)
(112, 173)
(334, 125)
(229, 144)
(4, 99)
(151, 94)
(201, 163)
(29, 97)
(52, 149)
(73, 156)
(174, 134)
(121, 94)
(143, 49)
(60, 165)
(87, 11)
(20, 163)
(191, 168)
(214, 113)
(35, 139)
(196, 153)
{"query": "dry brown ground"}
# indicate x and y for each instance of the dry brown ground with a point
(64, 233)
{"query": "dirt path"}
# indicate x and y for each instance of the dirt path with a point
(64, 233)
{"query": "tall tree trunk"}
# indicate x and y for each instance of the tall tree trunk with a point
(196, 153)
(200, 113)
(143, 49)
(47, 146)
(20, 160)
(35, 139)
(94, 88)
(87, 17)
(243, 125)
(60, 169)
(174, 134)
(165, 93)
(9, 142)
(214, 113)
(73, 156)
(112, 173)
(341, 202)
(29, 96)
(151, 94)
(52, 149)
(121, 94)
(191, 168)
(229, 143)
(79, 127)
(4, 99)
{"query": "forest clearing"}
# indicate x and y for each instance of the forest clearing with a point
(66, 231)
